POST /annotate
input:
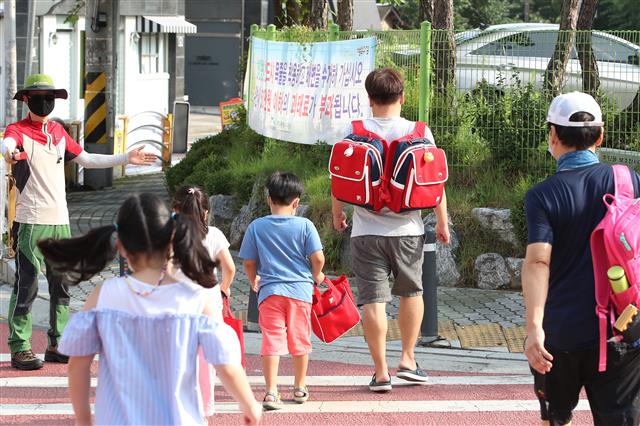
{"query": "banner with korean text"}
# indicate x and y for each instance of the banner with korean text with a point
(308, 92)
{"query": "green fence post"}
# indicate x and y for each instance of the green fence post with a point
(425, 71)
(271, 32)
(333, 31)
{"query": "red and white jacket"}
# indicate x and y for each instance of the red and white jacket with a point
(40, 178)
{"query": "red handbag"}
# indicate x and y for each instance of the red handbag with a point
(333, 312)
(233, 322)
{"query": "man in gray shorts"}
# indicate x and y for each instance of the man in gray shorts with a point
(385, 243)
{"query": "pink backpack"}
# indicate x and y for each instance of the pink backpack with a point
(616, 241)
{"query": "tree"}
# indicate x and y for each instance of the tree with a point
(588, 64)
(319, 14)
(287, 13)
(426, 10)
(345, 15)
(444, 44)
(554, 74)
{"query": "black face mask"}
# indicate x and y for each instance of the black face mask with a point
(41, 105)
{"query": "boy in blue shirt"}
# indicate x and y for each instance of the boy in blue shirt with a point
(283, 258)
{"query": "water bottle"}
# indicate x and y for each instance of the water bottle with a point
(618, 279)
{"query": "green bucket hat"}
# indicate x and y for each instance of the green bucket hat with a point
(40, 82)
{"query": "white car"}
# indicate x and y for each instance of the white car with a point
(496, 53)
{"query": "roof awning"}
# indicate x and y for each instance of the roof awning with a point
(164, 24)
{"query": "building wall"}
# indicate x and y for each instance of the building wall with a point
(152, 8)
(144, 92)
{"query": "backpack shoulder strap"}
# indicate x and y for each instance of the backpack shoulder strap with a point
(622, 178)
(358, 128)
(419, 129)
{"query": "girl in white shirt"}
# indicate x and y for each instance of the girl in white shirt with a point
(192, 201)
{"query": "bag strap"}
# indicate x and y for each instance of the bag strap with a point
(623, 183)
(419, 130)
(358, 128)
(226, 308)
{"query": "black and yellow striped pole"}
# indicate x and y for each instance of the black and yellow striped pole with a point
(100, 45)
(95, 108)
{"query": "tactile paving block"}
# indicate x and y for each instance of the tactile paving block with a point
(447, 330)
(481, 336)
(515, 338)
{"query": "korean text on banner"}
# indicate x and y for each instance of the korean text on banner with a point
(308, 92)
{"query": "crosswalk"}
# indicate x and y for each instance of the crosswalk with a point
(336, 399)
(338, 396)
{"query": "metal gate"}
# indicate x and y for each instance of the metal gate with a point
(212, 59)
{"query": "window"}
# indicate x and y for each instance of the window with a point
(609, 50)
(532, 44)
(150, 53)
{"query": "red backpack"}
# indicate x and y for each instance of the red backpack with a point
(616, 241)
(407, 174)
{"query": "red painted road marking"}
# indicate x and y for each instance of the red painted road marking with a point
(464, 396)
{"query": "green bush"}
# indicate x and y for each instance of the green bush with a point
(512, 121)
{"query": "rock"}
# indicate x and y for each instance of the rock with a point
(514, 265)
(302, 210)
(498, 221)
(446, 267)
(247, 213)
(222, 211)
(491, 271)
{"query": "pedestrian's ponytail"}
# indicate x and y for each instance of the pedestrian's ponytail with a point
(190, 254)
(145, 226)
(83, 257)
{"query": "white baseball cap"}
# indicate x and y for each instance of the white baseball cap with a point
(564, 106)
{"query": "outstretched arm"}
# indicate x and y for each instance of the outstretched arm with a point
(100, 161)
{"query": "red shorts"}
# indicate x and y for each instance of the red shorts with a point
(285, 325)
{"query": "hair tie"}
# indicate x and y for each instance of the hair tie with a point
(174, 215)
(115, 227)
(191, 191)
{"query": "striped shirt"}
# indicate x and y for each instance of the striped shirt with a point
(148, 368)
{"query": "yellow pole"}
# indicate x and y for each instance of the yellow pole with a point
(11, 210)
(167, 146)
(120, 145)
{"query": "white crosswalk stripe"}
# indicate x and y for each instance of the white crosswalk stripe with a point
(329, 407)
(61, 381)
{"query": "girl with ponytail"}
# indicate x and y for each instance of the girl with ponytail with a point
(146, 326)
(193, 202)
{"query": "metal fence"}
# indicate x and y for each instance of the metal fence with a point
(491, 110)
